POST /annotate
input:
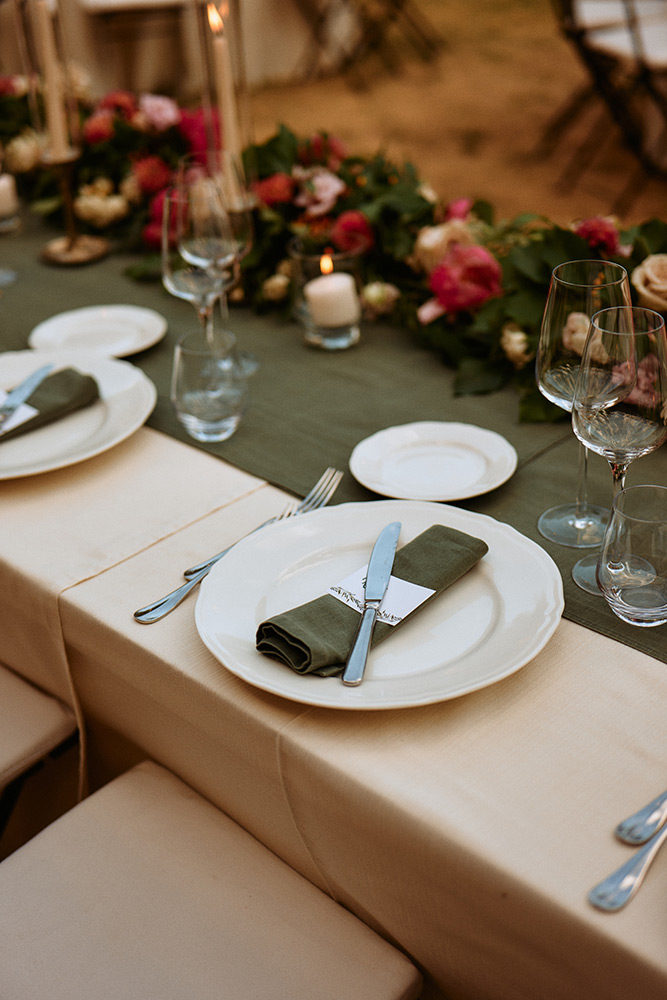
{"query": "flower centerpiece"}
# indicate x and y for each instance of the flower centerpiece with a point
(465, 284)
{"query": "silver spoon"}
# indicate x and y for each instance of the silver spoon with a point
(615, 891)
(641, 826)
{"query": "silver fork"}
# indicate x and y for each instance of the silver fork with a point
(318, 497)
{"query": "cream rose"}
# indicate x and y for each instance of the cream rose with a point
(575, 333)
(433, 242)
(650, 280)
(23, 153)
(514, 343)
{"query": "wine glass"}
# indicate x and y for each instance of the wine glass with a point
(620, 400)
(632, 565)
(199, 254)
(578, 288)
(225, 175)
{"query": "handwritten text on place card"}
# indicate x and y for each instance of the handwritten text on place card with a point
(399, 601)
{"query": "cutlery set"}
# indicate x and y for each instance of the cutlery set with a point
(647, 827)
(319, 496)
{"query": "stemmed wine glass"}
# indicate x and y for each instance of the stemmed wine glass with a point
(199, 254)
(620, 399)
(578, 288)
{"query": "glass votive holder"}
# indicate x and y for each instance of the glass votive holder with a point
(209, 391)
(325, 300)
(10, 216)
(632, 564)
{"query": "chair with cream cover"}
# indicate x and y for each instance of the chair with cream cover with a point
(623, 46)
(146, 890)
(32, 726)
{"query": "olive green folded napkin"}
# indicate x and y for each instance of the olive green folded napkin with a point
(316, 638)
(63, 392)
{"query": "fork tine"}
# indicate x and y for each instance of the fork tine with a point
(324, 494)
(321, 484)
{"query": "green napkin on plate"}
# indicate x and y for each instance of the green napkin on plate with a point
(61, 393)
(316, 638)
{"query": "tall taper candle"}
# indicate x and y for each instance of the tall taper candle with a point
(52, 71)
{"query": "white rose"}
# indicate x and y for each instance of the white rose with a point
(433, 242)
(650, 280)
(276, 287)
(101, 211)
(23, 152)
(379, 297)
(514, 342)
(575, 333)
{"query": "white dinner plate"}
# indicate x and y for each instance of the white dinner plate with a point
(486, 626)
(127, 398)
(433, 460)
(114, 331)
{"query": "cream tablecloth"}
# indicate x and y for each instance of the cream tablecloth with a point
(467, 832)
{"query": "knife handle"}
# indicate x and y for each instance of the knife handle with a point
(356, 661)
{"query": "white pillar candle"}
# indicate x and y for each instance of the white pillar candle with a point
(226, 98)
(54, 98)
(332, 300)
(9, 202)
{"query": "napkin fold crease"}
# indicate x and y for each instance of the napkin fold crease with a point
(316, 637)
(61, 393)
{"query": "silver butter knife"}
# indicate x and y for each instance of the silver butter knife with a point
(377, 581)
(22, 391)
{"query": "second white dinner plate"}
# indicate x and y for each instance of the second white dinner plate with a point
(486, 626)
(127, 398)
(433, 460)
(115, 331)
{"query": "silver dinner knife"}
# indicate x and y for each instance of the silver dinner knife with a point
(377, 581)
(22, 391)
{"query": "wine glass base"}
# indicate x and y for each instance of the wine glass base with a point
(567, 525)
(583, 574)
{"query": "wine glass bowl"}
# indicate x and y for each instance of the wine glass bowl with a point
(632, 565)
(620, 402)
(198, 248)
(577, 290)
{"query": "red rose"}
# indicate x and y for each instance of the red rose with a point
(152, 174)
(99, 127)
(458, 209)
(156, 207)
(275, 190)
(600, 234)
(352, 231)
(467, 277)
(324, 149)
(192, 127)
(151, 235)
(7, 86)
(120, 102)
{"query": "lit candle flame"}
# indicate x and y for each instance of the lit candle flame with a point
(215, 17)
(326, 264)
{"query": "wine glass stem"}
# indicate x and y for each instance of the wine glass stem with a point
(582, 483)
(618, 472)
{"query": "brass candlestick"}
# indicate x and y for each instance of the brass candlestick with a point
(73, 248)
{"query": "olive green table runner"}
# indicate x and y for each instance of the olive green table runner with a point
(308, 409)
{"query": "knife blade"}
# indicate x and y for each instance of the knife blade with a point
(22, 391)
(377, 581)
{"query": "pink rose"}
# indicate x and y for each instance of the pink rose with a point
(458, 209)
(352, 231)
(467, 277)
(601, 234)
(160, 112)
(275, 190)
(320, 190)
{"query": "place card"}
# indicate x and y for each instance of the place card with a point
(400, 600)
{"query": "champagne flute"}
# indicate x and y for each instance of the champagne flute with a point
(199, 256)
(578, 288)
(620, 400)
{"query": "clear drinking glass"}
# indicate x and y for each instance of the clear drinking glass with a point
(209, 391)
(578, 289)
(620, 400)
(632, 564)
